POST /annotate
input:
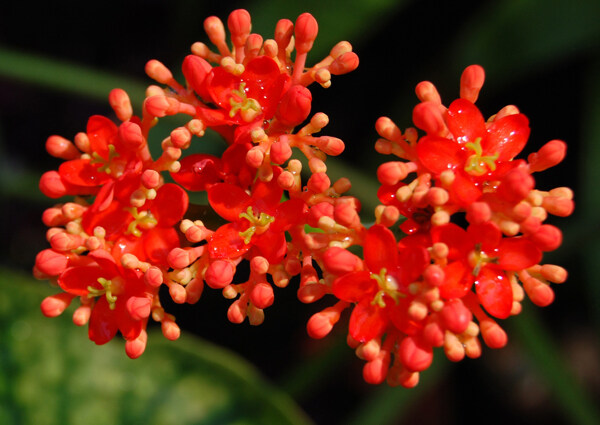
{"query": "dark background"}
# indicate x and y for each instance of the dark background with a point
(542, 56)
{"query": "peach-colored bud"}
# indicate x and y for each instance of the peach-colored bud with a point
(119, 101)
(453, 347)
(72, 211)
(169, 329)
(414, 354)
(131, 135)
(50, 262)
(345, 213)
(434, 275)
(558, 206)
(181, 137)
(280, 151)
(283, 33)
(516, 185)
(215, 30)
(472, 348)
(53, 217)
(236, 313)
(286, 180)
(433, 333)
(554, 273)
(318, 182)
(551, 154)
(52, 185)
(138, 307)
(547, 237)
(177, 293)
(158, 72)
(387, 129)
(219, 274)
(345, 63)
(262, 295)
(81, 315)
(194, 290)
(437, 196)
(259, 265)
(455, 316)
(375, 371)
(330, 145)
(63, 241)
(427, 116)
(54, 305)
(471, 82)
(493, 335)
(305, 30)
(150, 179)
(239, 25)
(390, 173)
(294, 106)
(153, 277)
(62, 148)
(369, 350)
(195, 69)
(340, 261)
(82, 142)
(253, 45)
(311, 292)
(540, 293)
(255, 157)
(160, 105)
(320, 324)
(427, 92)
(136, 347)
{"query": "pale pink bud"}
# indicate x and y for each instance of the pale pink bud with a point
(471, 82)
(119, 101)
(262, 295)
(54, 305)
(52, 185)
(455, 316)
(294, 106)
(283, 33)
(551, 154)
(136, 347)
(195, 69)
(318, 182)
(62, 148)
(375, 371)
(239, 25)
(427, 116)
(131, 135)
(158, 72)
(426, 92)
(170, 330)
(219, 274)
(340, 261)
(153, 277)
(305, 30)
(493, 335)
(281, 151)
(547, 237)
(50, 262)
(138, 307)
(540, 293)
(414, 354)
(343, 64)
(236, 313)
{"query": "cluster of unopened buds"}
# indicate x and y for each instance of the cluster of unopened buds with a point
(471, 219)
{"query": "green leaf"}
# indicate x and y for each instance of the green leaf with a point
(50, 373)
(65, 76)
(545, 357)
(516, 38)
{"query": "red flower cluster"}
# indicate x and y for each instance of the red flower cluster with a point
(440, 285)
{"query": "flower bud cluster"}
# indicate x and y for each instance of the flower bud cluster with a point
(127, 232)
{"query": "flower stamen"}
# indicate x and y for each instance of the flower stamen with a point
(477, 164)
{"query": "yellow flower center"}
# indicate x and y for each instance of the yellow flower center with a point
(107, 166)
(142, 220)
(258, 224)
(249, 108)
(110, 288)
(477, 164)
(387, 286)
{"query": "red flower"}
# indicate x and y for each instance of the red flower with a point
(251, 97)
(113, 287)
(481, 256)
(380, 292)
(476, 150)
(256, 220)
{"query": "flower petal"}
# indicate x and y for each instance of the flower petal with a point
(438, 154)
(380, 249)
(495, 292)
(355, 286)
(465, 122)
(506, 136)
(228, 200)
(367, 321)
